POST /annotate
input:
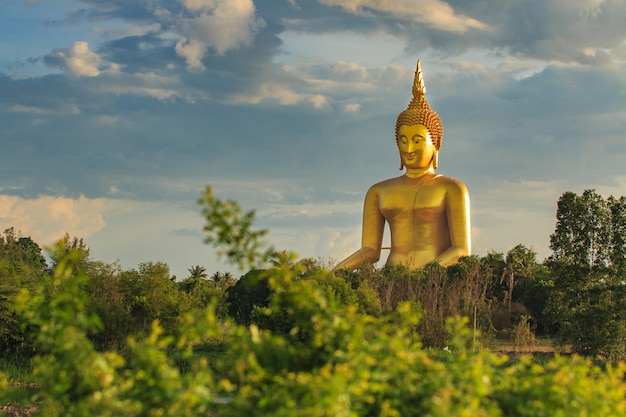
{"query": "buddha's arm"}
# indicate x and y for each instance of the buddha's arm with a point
(371, 242)
(459, 224)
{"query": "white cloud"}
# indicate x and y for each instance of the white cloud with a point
(192, 50)
(79, 60)
(435, 13)
(219, 24)
(274, 91)
(46, 219)
(353, 107)
(142, 84)
(61, 110)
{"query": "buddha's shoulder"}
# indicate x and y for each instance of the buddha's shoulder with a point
(449, 185)
(391, 182)
(448, 181)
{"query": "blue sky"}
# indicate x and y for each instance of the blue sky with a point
(114, 115)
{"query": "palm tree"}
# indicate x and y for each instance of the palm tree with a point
(520, 261)
(197, 272)
(217, 277)
(283, 259)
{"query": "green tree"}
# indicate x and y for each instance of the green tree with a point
(68, 244)
(520, 262)
(583, 230)
(283, 259)
(587, 299)
(618, 238)
(22, 266)
(22, 252)
(197, 272)
(148, 294)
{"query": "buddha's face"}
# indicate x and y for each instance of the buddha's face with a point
(416, 146)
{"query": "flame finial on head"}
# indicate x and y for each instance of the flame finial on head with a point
(419, 111)
(419, 88)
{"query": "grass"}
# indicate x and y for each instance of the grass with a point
(17, 368)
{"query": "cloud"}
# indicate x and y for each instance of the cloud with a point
(62, 110)
(434, 13)
(79, 60)
(46, 218)
(143, 84)
(219, 24)
(583, 31)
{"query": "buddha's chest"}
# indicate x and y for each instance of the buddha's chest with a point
(400, 202)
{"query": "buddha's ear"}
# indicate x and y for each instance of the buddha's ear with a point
(435, 159)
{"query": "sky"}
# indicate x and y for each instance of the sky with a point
(116, 114)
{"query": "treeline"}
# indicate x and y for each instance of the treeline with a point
(576, 296)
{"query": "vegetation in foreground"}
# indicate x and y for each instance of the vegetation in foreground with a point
(295, 339)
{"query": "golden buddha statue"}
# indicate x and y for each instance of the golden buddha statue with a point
(428, 213)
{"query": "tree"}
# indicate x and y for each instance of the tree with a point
(283, 259)
(22, 267)
(618, 238)
(583, 231)
(22, 252)
(587, 265)
(197, 272)
(520, 262)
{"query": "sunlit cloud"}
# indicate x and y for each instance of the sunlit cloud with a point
(79, 60)
(46, 218)
(435, 13)
(218, 24)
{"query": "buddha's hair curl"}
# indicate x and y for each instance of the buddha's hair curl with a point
(419, 112)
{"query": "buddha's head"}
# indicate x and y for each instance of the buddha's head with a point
(419, 113)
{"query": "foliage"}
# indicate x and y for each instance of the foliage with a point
(21, 266)
(200, 292)
(459, 290)
(250, 292)
(333, 361)
(587, 267)
(129, 301)
(66, 245)
(197, 272)
(584, 230)
(76, 380)
(520, 262)
(561, 387)
(230, 230)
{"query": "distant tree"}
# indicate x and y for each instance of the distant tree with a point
(150, 294)
(22, 251)
(283, 259)
(217, 277)
(618, 238)
(494, 265)
(250, 292)
(583, 231)
(68, 244)
(22, 266)
(197, 272)
(587, 263)
(520, 262)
